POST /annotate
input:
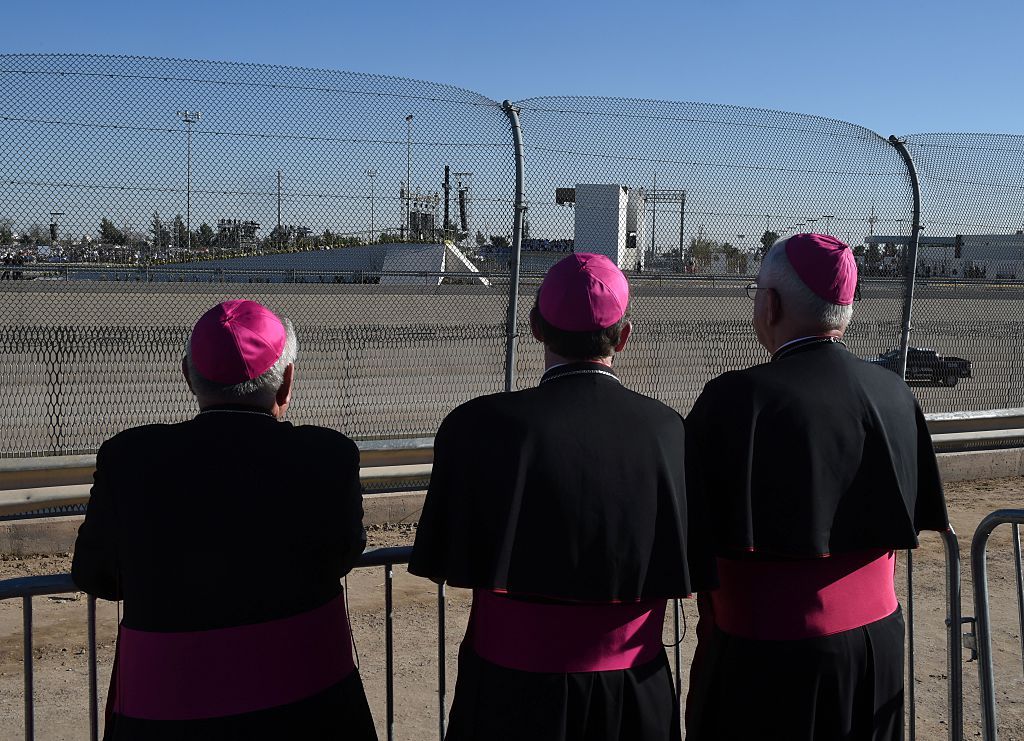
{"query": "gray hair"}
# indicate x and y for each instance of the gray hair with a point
(777, 272)
(259, 391)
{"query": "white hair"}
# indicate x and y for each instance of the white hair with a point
(259, 391)
(777, 272)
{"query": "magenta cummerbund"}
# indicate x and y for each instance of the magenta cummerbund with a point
(805, 598)
(227, 671)
(565, 637)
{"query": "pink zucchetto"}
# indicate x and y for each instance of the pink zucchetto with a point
(583, 293)
(825, 265)
(236, 341)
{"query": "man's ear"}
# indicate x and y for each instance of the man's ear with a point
(284, 394)
(624, 336)
(773, 307)
(535, 325)
(184, 372)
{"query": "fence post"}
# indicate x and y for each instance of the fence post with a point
(511, 327)
(910, 261)
(983, 625)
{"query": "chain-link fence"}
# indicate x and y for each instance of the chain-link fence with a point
(378, 213)
(968, 302)
(140, 192)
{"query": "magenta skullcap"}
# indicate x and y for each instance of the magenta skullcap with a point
(825, 265)
(236, 341)
(583, 293)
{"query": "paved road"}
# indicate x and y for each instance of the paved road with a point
(79, 361)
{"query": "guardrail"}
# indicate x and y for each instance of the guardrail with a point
(31, 484)
(983, 627)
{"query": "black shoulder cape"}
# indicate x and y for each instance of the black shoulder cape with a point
(816, 452)
(573, 490)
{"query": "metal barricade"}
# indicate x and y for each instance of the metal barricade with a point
(983, 628)
(37, 586)
(954, 640)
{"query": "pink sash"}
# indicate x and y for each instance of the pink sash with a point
(806, 598)
(228, 671)
(565, 637)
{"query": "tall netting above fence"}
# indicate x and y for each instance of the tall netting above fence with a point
(136, 192)
(686, 197)
(969, 303)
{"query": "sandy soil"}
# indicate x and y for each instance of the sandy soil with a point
(60, 636)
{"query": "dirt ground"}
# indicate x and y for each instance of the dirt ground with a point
(60, 636)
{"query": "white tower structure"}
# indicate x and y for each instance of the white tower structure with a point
(609, 220)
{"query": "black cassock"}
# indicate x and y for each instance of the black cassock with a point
(815, 453)
(572, 492)
(190, 525)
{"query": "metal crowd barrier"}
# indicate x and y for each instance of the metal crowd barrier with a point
(954, 641)
(983, 628)
(37, 586)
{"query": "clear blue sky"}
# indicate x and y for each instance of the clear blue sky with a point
(896, 67)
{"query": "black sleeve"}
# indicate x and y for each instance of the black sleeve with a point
(94, 568)
(430, 551)
(930, 505)
(350, 513)
(700, 523)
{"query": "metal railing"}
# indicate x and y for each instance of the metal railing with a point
(983, 628)
(29, 587)
(36, 586)
(56, 482)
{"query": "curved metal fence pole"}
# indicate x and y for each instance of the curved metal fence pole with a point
(910, 260)
(26, 617)
(511, 327)
(954, 636)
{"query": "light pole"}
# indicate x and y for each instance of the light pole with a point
(408, 175)
(371, 173)
(828, 223)
(189, 118)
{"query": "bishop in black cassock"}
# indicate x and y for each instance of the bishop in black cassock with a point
(816, 467)
(565, 508)
(234, 619)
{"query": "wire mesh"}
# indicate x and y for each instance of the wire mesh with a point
(377, 213)
(968, 308)
(686, 197)
(136, 193)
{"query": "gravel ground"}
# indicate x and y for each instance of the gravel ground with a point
(61, 667)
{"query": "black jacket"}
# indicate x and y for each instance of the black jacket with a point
(816, 452)
(572, 490)
(228, 519)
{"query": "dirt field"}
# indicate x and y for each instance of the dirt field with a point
(61, 678)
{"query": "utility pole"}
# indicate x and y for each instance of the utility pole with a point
(189, 118)
(408, 176)
(279, 205)
(371, 173)
(654, 215)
